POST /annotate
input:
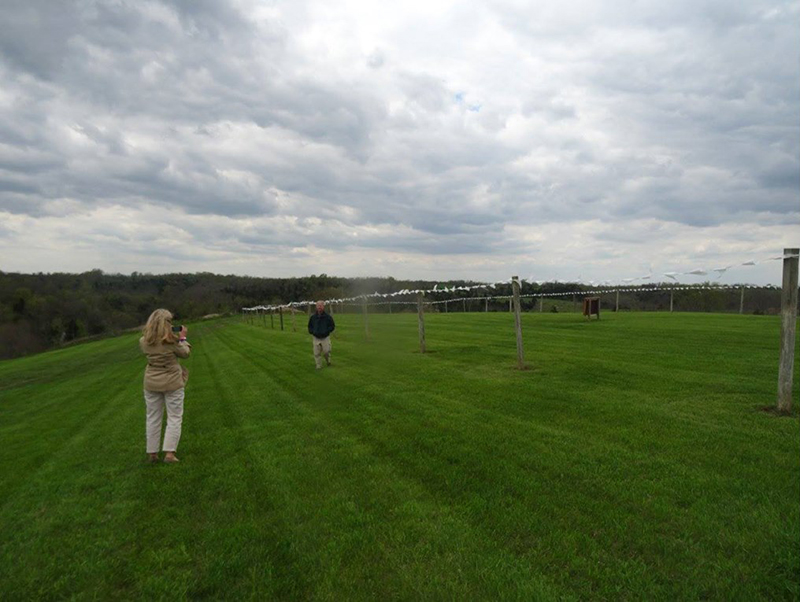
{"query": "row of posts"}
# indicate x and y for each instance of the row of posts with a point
(788, 323)
(511, 305)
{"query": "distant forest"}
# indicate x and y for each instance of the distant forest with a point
(41, 311)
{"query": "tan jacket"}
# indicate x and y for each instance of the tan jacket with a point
(163, 372)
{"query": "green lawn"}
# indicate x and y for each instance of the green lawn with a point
(631, 462)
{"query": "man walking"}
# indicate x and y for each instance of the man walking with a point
(320, 326)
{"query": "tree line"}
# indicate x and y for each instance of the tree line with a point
(45, 310)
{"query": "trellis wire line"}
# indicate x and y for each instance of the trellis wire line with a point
(627, 281)
(604, 291)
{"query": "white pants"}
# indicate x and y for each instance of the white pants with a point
(155, 402)
(322, 347)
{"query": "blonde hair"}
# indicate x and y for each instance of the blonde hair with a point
(159, 328)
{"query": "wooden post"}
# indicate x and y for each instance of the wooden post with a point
(511, 301)
(671, 294)
(272, 319)
(308, 309)
(365, 313)
(264, 318)
(518, 323)
(486, 309)
(788, 327)
(294, 324)
(280, 311)
(574, 302)
(741, 302)
(541, 304)
(616, 307)
(445, 307)
(465, 305)
(421, 320)
(330, 308)
(390, 307)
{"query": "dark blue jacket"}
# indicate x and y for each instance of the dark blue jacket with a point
(320, 325)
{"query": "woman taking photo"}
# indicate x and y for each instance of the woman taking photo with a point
(164, 379)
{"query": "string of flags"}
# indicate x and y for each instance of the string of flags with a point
(604, 287)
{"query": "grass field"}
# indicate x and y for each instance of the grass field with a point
(631, 462)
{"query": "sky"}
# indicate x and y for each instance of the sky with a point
(421, 139)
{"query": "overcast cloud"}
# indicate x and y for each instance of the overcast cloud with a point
(426, 139)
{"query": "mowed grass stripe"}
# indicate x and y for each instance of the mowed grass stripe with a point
(426, 426)
(701, 413)
(74, 508)
(594, 475)
(351, 474)
(43, 420)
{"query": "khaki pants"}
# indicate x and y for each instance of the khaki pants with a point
(322, 347)
(155, 402)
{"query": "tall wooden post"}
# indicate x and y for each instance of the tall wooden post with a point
(390, 307)
(486, 308)
(788, 327)
(365, 313)
(574, 302)
(308, 309)
(280, 311)
(264, 318)
(294, 324)
(518, 323)
(445, 307)
(541, 304)
(616, 306)
(421, 320)
(465, 305)
(741, 302)
(330, 308)
(272, 319)
(671, 298)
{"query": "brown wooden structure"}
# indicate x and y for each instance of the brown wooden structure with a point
(591, 307)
